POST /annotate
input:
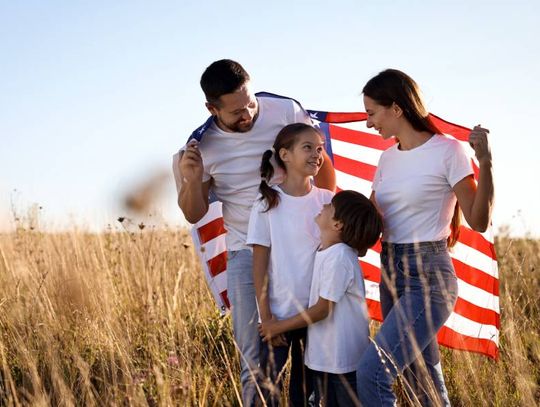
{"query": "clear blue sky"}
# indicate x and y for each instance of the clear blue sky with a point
(94, 96)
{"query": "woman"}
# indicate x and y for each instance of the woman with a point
(416, 187)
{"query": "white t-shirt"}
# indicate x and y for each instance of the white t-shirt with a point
(336, 343)
(293, 237)
(413, 189)
(233, 160)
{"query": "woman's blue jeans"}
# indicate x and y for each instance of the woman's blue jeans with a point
(418, 291)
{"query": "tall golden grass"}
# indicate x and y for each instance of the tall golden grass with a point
(125, 318)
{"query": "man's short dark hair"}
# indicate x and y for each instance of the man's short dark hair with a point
(222, 77)
(362, 223)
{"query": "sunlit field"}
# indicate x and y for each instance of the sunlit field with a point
(125, 318)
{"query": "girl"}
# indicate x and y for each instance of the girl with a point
(285, 238)
(416, 186)
(338, 331)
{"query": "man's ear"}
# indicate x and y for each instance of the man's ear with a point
(211, 108)
(397, 110)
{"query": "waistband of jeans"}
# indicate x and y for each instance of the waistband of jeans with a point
(417, 247)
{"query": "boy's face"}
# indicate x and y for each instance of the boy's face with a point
(325, 219)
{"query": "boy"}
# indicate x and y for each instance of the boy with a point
(337, 318)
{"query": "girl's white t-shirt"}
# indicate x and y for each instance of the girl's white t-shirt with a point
(413, 189)
(292, 235)
(336, 343)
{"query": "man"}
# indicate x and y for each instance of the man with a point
(227, 160)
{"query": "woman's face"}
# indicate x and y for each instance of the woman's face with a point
(380, 117)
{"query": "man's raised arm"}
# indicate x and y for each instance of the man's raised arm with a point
(192, 191)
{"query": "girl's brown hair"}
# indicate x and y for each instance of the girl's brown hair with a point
(286, 138)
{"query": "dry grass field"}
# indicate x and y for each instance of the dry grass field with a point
(124, 318)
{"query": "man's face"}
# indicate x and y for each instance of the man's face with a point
(237, 111)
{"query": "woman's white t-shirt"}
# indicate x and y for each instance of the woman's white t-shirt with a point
(413, 189)
(290, 231)
(336, 343)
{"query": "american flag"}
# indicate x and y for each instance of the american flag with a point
(474, 323)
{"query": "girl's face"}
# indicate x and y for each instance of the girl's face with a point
(306, 155)
(381, 118)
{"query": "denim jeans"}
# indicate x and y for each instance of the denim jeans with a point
(335, 390)
(273, 360)
(241, 293)
(418, 291)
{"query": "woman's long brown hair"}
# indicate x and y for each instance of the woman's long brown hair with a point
(393, 86)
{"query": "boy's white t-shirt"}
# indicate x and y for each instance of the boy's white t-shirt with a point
(336, 343)
(413, 189)
(292, 235)
(232, 161)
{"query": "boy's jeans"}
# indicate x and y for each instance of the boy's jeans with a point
(241, 293)
(418, 291)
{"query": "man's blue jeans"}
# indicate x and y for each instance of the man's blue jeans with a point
(241, 293)
(418, 291)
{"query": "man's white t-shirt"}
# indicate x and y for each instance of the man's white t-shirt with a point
(413, 189)
(292, 235)
(336, 343)
(232, 161)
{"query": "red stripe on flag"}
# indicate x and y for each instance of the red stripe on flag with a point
(454, 340)
(374, 309)
(337, 117)
(477, 241)
(477, 314)
(360, 138)
(459, 132)
(217, 264)
(211, 230)
(371, 272)
(354, 168)
(476, 277)
(377, 246)
(225, 298)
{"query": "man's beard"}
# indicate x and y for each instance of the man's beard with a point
(237, 127)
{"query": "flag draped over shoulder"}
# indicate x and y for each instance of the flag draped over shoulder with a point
(474, 323)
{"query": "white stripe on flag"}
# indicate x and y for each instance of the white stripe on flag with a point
(372, 290)
(218, 284)
(477, 296)
(346, 181)
(213, 247)
(358, 126)
(373, 258)
(475, 258)
(356, 152)
(214, 212)
(465, 326)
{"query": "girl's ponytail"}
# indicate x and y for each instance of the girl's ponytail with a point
(269, 194)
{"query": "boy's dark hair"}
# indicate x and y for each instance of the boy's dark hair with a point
(222, 77)
(362, 223)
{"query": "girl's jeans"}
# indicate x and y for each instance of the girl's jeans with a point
(273, 360)
(418, 291)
